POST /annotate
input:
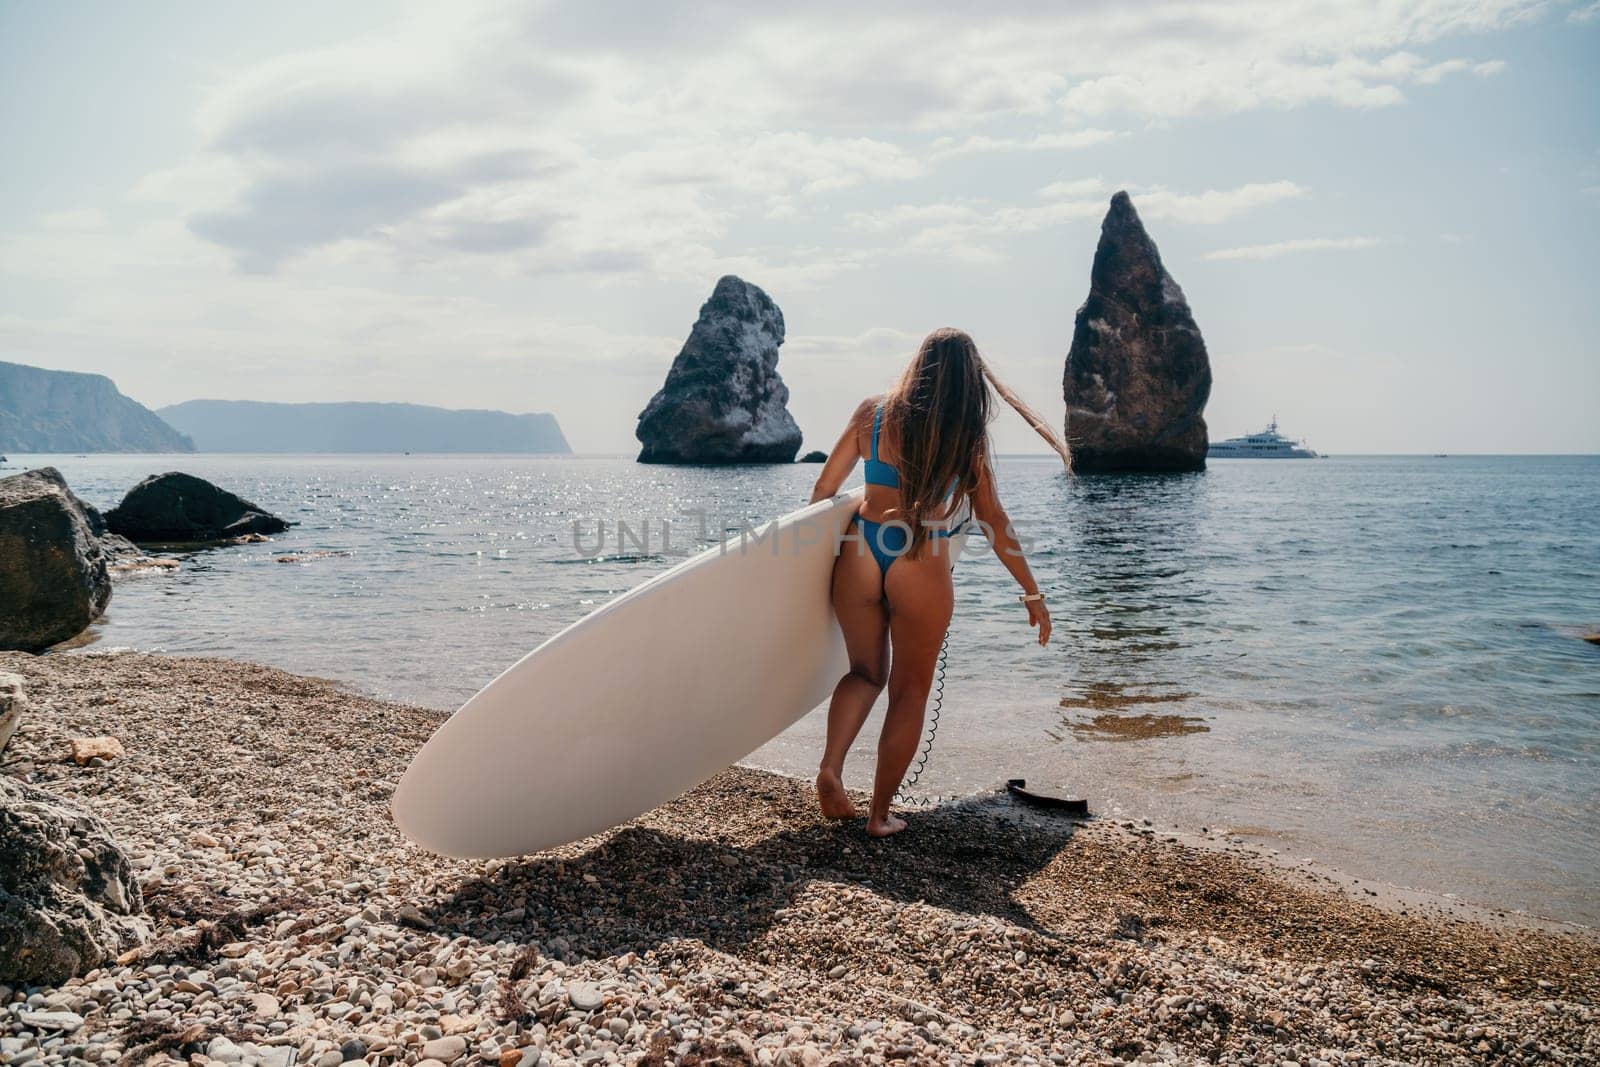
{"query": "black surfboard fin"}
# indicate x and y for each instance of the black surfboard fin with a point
(1018, 787)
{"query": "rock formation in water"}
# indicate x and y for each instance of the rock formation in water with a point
(63, 411)
(68, 897)
(53, 578)
(254, 426)
(814, 456)
(177, 507)
(1137, 377)
(723, 401)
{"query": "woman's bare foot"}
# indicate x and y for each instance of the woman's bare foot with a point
(889, 824)
(831, 797)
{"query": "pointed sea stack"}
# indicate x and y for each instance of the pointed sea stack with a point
(723, 401)
(1137, 376)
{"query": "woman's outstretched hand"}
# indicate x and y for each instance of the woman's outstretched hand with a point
(1039, 615)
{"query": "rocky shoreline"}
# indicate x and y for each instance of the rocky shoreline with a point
(292, 924)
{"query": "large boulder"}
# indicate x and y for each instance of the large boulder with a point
(1137, 377)
(180, 508)
(68, 898)
(723, 401)
(53, 578)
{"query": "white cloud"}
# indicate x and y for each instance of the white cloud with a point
(1214, 205)
(1587, 13)
(1285, 70)
(950, 147)
(1303, 244)
(1437, 72)
(610, 138)
(903, 215)
(973, 229)
(874, 346)
(84, 218)
(1073, 188)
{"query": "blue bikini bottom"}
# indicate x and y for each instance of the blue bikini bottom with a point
(888, 541)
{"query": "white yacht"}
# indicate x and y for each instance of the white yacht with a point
(1267, 444)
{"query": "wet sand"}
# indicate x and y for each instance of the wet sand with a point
(732, 925)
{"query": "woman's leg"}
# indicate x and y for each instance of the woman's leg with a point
(921, 598)
(858, 603)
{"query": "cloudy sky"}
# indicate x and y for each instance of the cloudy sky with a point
(1385, 216)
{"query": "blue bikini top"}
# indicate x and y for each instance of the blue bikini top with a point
(878, 472)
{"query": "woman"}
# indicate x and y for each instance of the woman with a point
(926, 445)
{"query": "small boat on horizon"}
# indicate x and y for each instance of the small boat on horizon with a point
(1265, 444)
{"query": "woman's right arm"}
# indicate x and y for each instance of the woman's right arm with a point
(842, 460)
(988, 510)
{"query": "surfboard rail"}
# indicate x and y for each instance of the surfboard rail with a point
(641, 700)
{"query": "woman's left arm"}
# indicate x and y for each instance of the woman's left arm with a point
(1002, 537)
(841, 461)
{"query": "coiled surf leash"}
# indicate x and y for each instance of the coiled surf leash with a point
(935, 707)
(1015, 787)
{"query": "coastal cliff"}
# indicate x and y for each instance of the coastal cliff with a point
(1137, 376)
(723, 401)
(65, 411)
(256, 426)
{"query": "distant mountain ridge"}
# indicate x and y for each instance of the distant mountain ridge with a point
(67, 411)
(260, 426)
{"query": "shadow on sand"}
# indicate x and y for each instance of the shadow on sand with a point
(644, 886)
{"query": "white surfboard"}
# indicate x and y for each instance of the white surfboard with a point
(640, 701)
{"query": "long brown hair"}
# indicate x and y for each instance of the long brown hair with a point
(939, 414)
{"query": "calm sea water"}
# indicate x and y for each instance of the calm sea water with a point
(1375, 662)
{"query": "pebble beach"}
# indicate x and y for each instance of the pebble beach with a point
(291, 923)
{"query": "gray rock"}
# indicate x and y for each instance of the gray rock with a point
(353, 1049)
(814, 456)
(1137, 377)
(445, 1049)
(177, 507)
(64, 1021)
(265, 1005)
(120, 551)
(224, 1051)
(13, 702)
(723, 401)
(583, 996)
(53, 577)
(68, 896)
